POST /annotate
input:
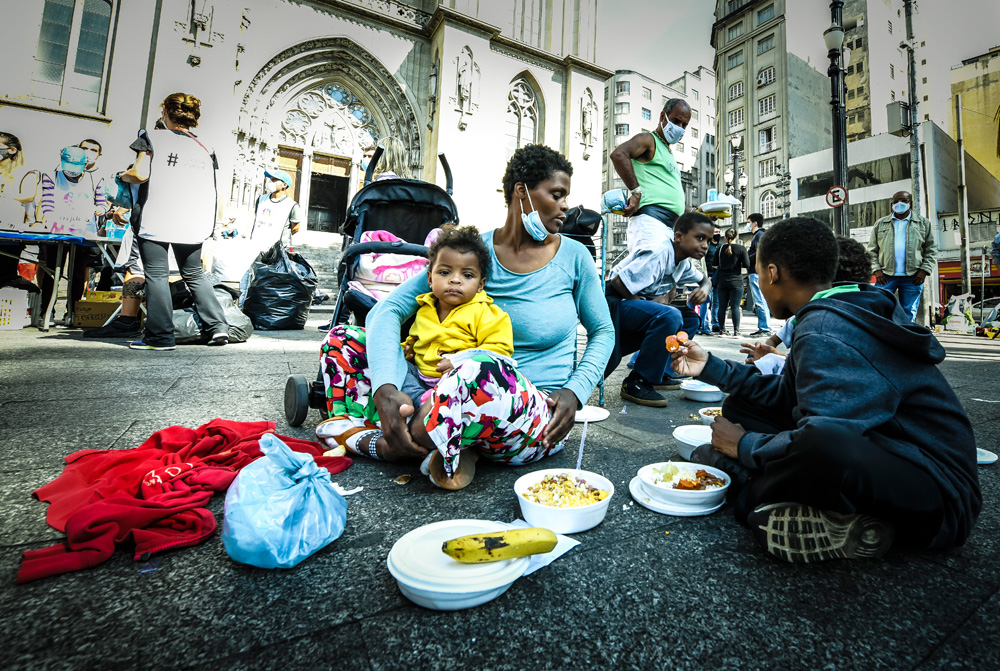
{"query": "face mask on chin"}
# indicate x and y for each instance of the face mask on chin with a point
(532, 222)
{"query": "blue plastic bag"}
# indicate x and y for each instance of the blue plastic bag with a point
(614, 201)
(281, 508)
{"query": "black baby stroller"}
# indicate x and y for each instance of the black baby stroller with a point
(406, 208)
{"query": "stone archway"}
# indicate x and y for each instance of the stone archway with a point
(328, 97)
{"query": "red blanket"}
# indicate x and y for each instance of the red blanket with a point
(153, 494)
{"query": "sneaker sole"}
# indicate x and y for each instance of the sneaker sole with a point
(800, 534)
(673, 386)
(153, 348)
(646, 402)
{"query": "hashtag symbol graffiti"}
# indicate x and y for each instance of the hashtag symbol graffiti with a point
(172, 159)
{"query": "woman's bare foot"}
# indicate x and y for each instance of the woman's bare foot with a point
(462, 476)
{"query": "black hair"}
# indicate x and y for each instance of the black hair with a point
(758, 218)
(689, 220)
(462, 239)
(100, 149)
(803, 247)
(855, 263)
(533, 164)
(669, 106)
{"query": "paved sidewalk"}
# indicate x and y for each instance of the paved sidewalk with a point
(642, 591)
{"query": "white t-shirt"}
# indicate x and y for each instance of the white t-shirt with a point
(273, 219)
(649, 269)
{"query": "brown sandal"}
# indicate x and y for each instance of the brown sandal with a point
(463, 475)
(341, 439)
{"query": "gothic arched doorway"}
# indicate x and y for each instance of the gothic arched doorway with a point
(312, 110)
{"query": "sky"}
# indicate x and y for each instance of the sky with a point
(663, 38)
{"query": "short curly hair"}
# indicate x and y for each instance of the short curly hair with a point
(463, 239)
(804, 247)
(855, 263)
(533, 164)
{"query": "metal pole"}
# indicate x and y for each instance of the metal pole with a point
(963, 197)
(736, 188)
(836, 74)
(984, 267)
(914, 124)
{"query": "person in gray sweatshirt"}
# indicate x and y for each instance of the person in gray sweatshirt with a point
(861, 442)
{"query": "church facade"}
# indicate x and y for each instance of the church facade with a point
(307, 86)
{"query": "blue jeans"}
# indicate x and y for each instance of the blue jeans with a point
(763, 314)
(909, 293)
(706, 315)
(715, 307)
(643, 326)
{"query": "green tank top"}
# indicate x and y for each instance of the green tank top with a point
(660, 179)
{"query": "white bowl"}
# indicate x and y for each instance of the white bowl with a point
(693, 390)
(563, 520)
(695, 498)
(690, 436)
(430, 578)
(706, 418)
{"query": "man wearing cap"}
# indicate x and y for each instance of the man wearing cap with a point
(277, 216)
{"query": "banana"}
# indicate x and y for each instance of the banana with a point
(500, 545)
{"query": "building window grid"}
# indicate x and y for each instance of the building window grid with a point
(646, 114)
(622, 88)
(622, 108)
(765, 14)
(768, 168)
(769, 205)
(646, 94)
(735, 31)
(736, 118)
(736, 90)
(766, 76)
(735, 60)
(71, 54)
(766, 105)
(621, 129)
(766, 44)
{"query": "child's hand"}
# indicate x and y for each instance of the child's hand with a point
(690, 359)
(756, 350)
(408, 353)
(444, 365)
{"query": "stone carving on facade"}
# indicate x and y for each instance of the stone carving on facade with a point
(466, 98)
(432, 90)
(588, 113)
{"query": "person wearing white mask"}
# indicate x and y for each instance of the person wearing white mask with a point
(646, 164)
(277, 216)
(903, 252)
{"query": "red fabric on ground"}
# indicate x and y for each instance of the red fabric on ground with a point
(153, 495)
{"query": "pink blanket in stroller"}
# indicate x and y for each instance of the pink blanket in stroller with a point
(380, 273)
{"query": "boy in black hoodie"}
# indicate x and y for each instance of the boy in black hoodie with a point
(861, 440)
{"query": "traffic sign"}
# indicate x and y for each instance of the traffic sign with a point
(836, 196)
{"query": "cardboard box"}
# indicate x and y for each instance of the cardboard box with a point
(104, 296)
(92, 314)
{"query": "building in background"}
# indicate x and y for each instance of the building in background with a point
(772, 93)
(307, 86)
(879, 167)
(633, 103)
(977, 80)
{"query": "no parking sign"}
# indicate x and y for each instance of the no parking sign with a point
(836, 196)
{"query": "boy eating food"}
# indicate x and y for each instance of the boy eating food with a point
(861, 441)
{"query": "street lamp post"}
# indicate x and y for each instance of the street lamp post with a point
(834, 39)
(784, 185)
(733, 174)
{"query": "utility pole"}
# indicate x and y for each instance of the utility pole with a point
(927, 298)
(834, 39)
(963, 198)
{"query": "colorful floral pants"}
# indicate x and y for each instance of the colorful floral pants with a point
(484, 403)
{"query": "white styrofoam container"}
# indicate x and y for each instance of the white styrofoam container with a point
(563, 520)
(13, 309)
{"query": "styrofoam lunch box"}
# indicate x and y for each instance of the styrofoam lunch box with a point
(693, 390)
(430, 578)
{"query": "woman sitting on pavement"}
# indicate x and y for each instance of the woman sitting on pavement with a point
(546, 283)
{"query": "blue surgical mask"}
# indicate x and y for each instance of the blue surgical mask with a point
(749, 227)
(364, 164)
(72, 175)
(533, 223)
(900, 207)
(672, 132)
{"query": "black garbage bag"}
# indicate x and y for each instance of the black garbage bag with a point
(279, 291)
(188, 329)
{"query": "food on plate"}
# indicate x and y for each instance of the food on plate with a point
(500, 545)
(673, 476)
(564, 491)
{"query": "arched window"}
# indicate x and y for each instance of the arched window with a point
(522, 115)
(769, 205)
(70, 58)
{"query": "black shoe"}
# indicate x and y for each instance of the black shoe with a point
(800, 534)
(760, 334)
(670, 382)
(641, 392)
(219, 339)
(119, 328)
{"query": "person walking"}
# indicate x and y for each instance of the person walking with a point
(732, 259)
(904, 252)
(755, 226)
(175, 168)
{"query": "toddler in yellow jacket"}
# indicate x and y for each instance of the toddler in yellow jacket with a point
(456, 315)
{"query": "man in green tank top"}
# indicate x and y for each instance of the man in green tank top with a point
(646, 165)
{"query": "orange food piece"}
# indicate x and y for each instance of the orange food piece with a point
(682, 337)
(672, 344)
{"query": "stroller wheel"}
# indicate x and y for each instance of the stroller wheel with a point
(296, 399)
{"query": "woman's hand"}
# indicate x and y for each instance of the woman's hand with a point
(690, 359)
(393, 408)
(726, 437)
(563, 404)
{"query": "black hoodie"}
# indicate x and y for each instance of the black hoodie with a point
(857, 362)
